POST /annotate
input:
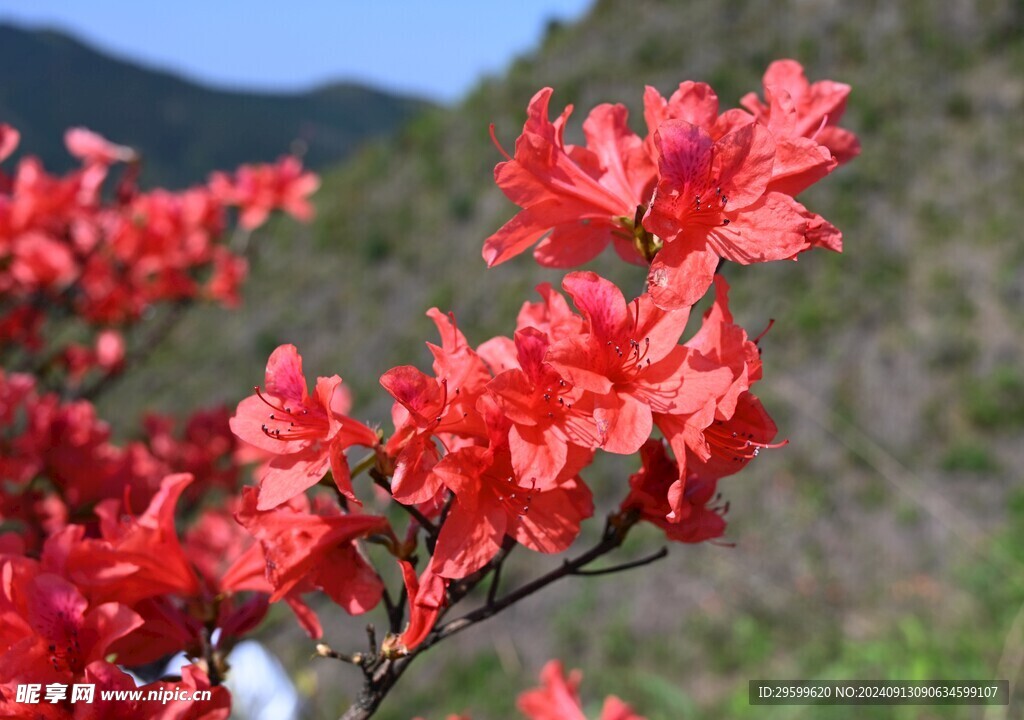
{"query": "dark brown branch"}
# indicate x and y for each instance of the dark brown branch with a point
(653, 557)
(371, 637)
(614, 533)
(492, 591)
(324, 650)
(384, 673)
(212, 659)
(394, 610)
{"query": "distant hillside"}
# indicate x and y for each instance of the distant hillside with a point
(867, 547)
(50, 81)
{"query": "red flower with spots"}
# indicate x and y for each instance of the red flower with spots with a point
(799, 161)
(306, 435)
(649, 493)
(51, 631)
(441, 407)
(305, 551)
(731, 427)
(552, 423)
(630, 359)
(804, 120)
(490, 504)
(735, 441)
(713, 202)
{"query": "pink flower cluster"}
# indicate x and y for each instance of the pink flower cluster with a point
(69, 249)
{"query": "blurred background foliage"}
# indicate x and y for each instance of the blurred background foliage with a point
(887, 540)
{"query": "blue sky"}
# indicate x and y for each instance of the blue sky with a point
(435, 48)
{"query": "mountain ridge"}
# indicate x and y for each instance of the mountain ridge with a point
(184, 128)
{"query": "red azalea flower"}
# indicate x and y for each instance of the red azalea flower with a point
(708, 436)
(735, 441)
(630, 359)
(650, 496)
(229, 272)
(799, 161)
(249, 572)
(443, 407)
(91, 148)
(697, 436)
(490, 504)
(713, 202)
(260, 189)
(818, 107)
(136, 557)
(551, 420)
(52, 632)
(558, 698)
(318, 550)
(585, 197)
(39, 261)
(72, 448)
(307, 434)
(727, 344)
(455, 360)
(693, 102)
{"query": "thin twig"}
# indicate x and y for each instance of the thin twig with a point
(324, 650)
(614, 533)
(403, 600)
(371, 637)
(492, 591)
(496, 564)
(390, 607)
(653, 557)
(363, 465)
(211, 657)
